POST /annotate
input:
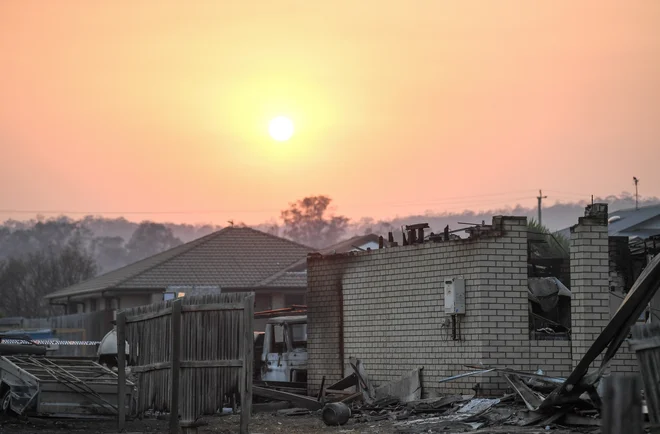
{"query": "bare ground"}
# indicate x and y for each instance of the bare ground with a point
(260, 424)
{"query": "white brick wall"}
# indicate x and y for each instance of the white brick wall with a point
(553, 357)
(590, 273)
(393, 310)
(591, 279)
(392, 316)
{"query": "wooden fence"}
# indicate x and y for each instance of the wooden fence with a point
(191, 354)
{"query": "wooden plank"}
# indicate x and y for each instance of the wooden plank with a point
(648, 356)
(152, 367)
(351, 398)
(248, 362)
(212, 307)
(176, 364)
(190, 364)
(297, 400)
(121, 371)
(345, 383)
(148, 315)
(338, 392)
(212, 364)
(622, 406)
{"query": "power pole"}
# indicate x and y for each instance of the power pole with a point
(636, 181)
(540, 198)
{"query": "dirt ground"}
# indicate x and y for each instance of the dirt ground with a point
(260, 424)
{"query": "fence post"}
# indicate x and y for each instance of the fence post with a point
(176, 365)
(622, 406)
(248, 362)
(646, 344)
(121, 371)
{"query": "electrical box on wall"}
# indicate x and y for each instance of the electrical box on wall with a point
(455, 295)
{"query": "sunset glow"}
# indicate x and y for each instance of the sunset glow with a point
(281, 128)
(448, 105)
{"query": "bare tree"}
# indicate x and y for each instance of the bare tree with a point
(27, 279)
(149, 239)
(307, 222)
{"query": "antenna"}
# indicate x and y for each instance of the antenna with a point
(540, 198)
(231, 222)
(636, 181)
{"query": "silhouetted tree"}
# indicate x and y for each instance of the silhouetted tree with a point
(110, 253)
(149, 239)
(25, 280)
(307, 222)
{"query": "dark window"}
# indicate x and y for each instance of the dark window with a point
(291, 299)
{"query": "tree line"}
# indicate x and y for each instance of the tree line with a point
(43, 255)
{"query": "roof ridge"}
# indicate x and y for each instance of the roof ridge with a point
(186, 247)
(281, 238)
(189, 244)
(275, 276)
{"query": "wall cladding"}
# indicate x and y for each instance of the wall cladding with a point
(393, 310)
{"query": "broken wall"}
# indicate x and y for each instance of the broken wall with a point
(386, 307)
(593, 281)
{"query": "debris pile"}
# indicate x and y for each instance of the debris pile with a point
(400, 402)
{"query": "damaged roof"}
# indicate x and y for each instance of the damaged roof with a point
(234, 257)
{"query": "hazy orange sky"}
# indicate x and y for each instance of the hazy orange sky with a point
(399, 106)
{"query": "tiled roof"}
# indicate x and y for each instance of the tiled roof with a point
(295, 276)
(234, 257)
(288, 279)
(350, 244)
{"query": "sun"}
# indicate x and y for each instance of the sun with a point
(281, 128)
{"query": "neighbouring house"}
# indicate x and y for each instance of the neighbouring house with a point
(444, 304)
(633, 237)
(230, 260)
(642, 222)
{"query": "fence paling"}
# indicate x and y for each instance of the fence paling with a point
(215, 357)
(121, 371)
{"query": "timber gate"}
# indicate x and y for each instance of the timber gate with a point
(190, 354)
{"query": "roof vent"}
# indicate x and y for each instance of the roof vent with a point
(614, 218)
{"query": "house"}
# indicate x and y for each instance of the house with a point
(444, 304)
(642, 223)
(232, 259)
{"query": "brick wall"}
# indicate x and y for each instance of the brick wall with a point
(386, 307)
(594, 279)
(392, 316)
(590, 300)
(553, 357)
(325, 319)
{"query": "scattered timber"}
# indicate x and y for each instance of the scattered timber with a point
(297, 400)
